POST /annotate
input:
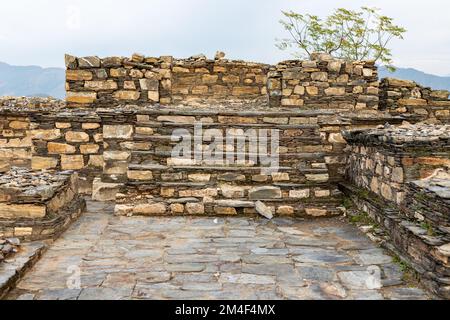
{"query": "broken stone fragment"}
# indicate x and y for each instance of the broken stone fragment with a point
(70, 61)
(445, 250)
(89, 62)
(219, 55)
(263, 210)
(137, 57)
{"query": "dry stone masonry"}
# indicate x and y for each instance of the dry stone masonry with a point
(403, 96)
(396, 180)
(384, 160)
(324, 83)
(37, 205)
(138, 158)
(113, 138)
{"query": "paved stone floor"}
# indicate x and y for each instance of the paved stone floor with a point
(207, 258)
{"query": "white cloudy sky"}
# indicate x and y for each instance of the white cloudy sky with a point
(41, 31)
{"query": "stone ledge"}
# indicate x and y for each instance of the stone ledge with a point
(17, 265)
(45, 228)
(408, 240)
(406, 136)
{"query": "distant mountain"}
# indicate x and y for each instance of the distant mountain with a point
(31, 81)
(425, 79)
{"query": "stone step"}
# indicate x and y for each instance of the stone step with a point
(190, 125)
(175, 138)
(297, 159)
(223, 174)
(194, 207)
(273, 192)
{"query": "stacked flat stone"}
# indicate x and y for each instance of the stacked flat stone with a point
(138, 157)
(92, 81)
(397, 179)
(324, 82)
(199, 81)
(429, 200)
(383, 160)
(420, 135)
(12, 103)
(37, 205)
(404, 96)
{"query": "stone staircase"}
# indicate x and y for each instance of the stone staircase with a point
(153, 182)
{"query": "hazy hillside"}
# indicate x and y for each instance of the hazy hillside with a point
(425, 79)
(37, 81)
(31, 81)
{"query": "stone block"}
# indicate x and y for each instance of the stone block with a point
(319, 76)
(101, 85)
(17, 211)
(263, 210)
(139, 175)
(102, 191)
(199, 177)
(177, 208)
(81, 97)
(299, 194)
(76, 136)
(89, 148)
(149, 84)
(43, 163)
(150, 209)
(90, 126)
(316, 212)
(127, 95)
(230, 191)
(46, 134)
(225, 211)
(72, 162)
(117, 131)
(195, 208)
(265, 192)
(335, 91)
(89, 62)
(60, 148)
(78, 75)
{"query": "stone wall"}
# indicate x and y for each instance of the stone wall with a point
(384, 160)
(108, 82)
(397, 178)
(199, 81)
(402, 96)
(324, 83)
(38, 205)
(16, 127)
(68, 140)
(138, 162)
(311, 102)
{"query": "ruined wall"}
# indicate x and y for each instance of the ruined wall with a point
(15, 127)
(403, 96)
(68, 140)
(138, 162)
(108, 82)
(329, 94)
(324, 83)
(384, 160)
(38, 205)
(397, 178)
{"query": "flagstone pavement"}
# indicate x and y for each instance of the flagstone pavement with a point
(103, 256)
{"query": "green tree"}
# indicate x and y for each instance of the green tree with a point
(345, 34)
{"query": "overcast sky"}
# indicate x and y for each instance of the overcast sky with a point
(39, 32)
